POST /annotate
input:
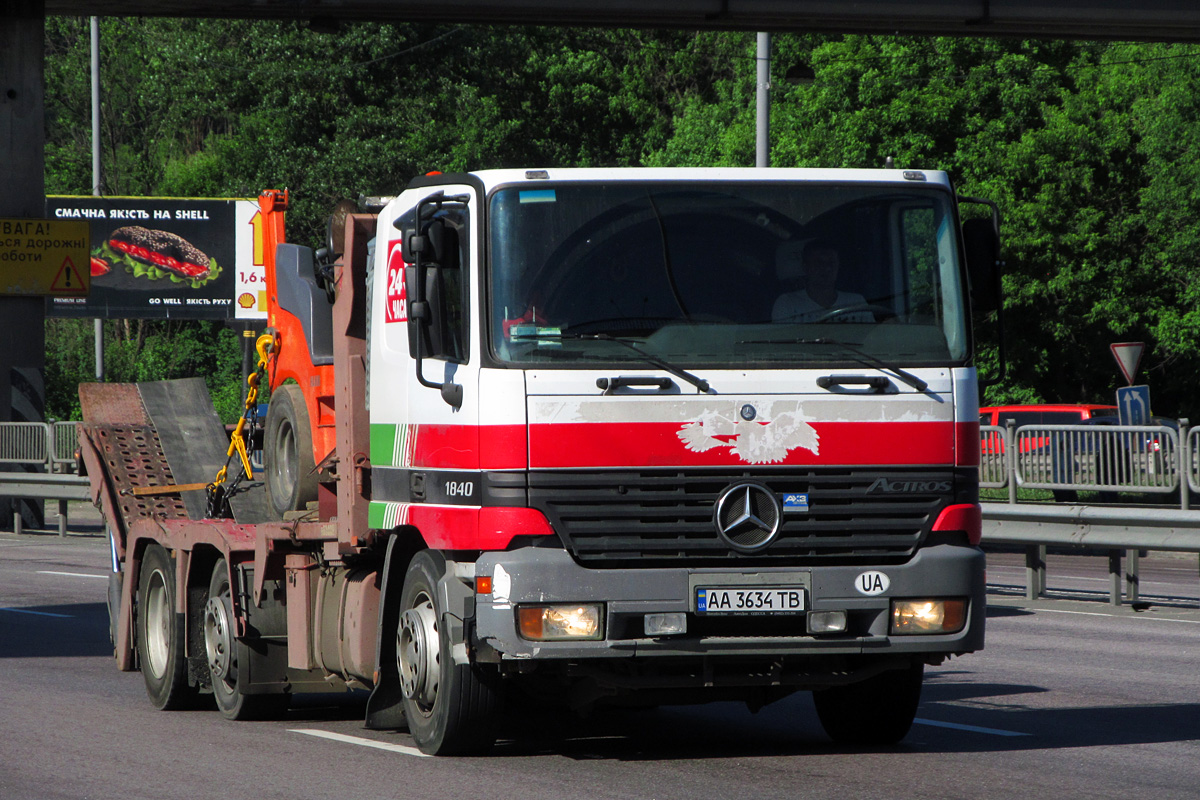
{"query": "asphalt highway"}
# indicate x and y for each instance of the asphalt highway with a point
(1071, 698)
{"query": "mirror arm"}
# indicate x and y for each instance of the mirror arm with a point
(1001, 356)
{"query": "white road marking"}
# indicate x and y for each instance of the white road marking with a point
(1100, 614)
(358, 740)
(971, 728)
(39, 613)
(1066, 578)
(72, 574)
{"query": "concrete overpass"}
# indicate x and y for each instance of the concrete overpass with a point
(1165, 20)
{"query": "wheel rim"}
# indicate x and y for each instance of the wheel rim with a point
(158, 623)
(418, 654)
(287, 458)
(218, 644)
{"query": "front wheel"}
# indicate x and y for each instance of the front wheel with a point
(451, 708)
(877, 711)
(221, 653)
(160, 634)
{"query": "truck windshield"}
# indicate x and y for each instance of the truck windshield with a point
(725, 274)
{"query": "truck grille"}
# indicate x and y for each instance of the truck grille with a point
(665, 517)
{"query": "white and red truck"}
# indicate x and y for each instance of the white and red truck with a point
(583, 435)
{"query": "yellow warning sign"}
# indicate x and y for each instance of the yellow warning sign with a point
(44, 257)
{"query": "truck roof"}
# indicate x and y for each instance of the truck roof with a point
(497, 177)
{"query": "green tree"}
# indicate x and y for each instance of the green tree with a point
(1084, 146)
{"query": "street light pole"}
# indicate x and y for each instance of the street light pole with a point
(762, 148)
(99, 323)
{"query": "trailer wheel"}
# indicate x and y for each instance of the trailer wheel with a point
(221, 653)
(291, 476)
(160, 634)
(877, 711)
(451, 708)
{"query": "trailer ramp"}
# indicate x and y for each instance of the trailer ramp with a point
(161, 433)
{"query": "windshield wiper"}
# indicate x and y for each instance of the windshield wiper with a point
(701, 385)
(859, 355)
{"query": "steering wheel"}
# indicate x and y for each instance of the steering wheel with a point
(874, 308)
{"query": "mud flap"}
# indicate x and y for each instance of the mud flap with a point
(114, 605)
(385, 706)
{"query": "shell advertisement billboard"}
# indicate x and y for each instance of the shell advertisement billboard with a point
(167, 258)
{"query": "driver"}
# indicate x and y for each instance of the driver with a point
(820, 298)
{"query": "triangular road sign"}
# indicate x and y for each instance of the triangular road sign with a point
(68, 280)
(1128, 356)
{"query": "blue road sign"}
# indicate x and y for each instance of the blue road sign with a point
(1133, 405)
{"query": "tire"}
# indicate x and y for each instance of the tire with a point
(291, 476)
(221, 651)
(160, 634)
(452, 709)
(877, 711)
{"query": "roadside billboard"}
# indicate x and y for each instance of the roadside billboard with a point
(167, 258)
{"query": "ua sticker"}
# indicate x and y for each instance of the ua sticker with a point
(872, 583)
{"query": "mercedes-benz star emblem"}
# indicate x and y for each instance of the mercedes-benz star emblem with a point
(747, 516)
(749, 412)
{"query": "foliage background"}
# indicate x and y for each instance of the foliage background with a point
(1088, 147)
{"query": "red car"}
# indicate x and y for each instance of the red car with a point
(1045, 414)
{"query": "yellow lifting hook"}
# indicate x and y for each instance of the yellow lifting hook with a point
(265, 345)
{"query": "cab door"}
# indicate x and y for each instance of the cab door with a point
(425, 366)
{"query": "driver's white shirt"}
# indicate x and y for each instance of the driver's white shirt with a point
(799, 307)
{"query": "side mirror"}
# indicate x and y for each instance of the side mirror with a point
(431, 276)
(982, 247)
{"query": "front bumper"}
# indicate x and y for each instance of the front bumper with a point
(538, 575)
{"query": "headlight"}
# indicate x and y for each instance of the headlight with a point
(560, 622)
(928, 616)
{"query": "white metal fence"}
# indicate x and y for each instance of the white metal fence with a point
(1103, 458)
(50, 444)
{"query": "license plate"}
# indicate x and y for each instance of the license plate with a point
(749, 600)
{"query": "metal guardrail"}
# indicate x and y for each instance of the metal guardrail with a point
(1109, 530)
(51, 446)
(45, 486)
